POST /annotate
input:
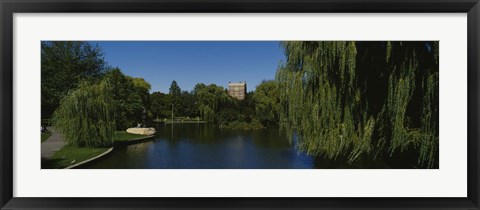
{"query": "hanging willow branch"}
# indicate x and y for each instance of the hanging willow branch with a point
(86, 116)
(352, 98)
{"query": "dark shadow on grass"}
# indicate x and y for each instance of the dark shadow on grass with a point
(52, 163)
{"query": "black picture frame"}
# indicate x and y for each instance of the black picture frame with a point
(9, 7)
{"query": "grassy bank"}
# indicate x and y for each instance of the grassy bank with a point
(124, 136)
(180, 120)
(242, 126)
(71, 155)
(68, 156)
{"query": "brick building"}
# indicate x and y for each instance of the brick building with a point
(237, 89)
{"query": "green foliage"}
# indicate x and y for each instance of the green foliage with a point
(236, 125)
(246, 108)
(197, 88)
(142, 89)
(64, 64)
(174, 89)
(89, 115)
(175, 92)
(267, 103)
(212, 102)
(210, 99)
(86, 116)
(130, 97)
(141, 84)
(161, 105)
(429, 122)
(351, 99)
(187, 106)
(227, 115)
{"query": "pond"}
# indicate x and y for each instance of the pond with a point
(204, 146)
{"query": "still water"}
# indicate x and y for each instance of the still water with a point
(203, 146)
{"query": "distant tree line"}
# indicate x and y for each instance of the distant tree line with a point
(213, 104)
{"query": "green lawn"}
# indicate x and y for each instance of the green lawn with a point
(180, 120)
(71, 155)
(124, 136)
(46, 135)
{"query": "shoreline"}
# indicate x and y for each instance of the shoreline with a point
(111, 149)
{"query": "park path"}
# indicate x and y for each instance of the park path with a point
(54, 143)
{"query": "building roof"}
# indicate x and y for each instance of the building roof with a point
(237, 83)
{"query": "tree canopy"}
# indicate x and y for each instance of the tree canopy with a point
(64, 65)
(361, 98)
(86, 116)
(267, 103)
(89, 114)
(210, 99)
(130, 98)
(175, 94)
(160, 104)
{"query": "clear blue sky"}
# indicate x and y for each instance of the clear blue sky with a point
(191, 62)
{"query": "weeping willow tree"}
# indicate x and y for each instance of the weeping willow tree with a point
(211, 99)
(353, 99)
(86, 116)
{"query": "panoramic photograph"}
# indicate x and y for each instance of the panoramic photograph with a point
(239, 105)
